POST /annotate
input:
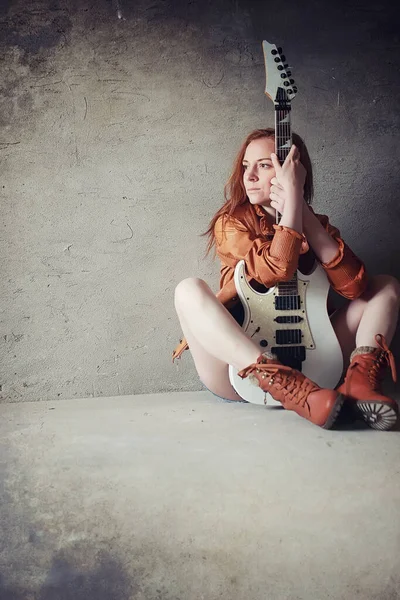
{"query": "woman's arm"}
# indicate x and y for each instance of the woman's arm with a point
(266, 261)
(345, 271)
(286, 193)
(323, 244)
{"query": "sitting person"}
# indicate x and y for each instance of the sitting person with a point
(245, 228)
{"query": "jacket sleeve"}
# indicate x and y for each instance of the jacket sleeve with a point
(266, 261)
(346, 272)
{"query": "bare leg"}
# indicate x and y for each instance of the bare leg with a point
(215, 339)
(376, 311)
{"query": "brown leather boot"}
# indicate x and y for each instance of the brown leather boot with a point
(362, 385)
(295, 391)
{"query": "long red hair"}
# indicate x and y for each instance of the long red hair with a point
(234, 190)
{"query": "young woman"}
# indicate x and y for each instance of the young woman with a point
(244, 228)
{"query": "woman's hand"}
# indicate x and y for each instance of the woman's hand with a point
(287, 187)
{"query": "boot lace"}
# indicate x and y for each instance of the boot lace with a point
(293, 386)
(382, 359)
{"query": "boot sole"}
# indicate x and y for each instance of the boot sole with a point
(334, 412)
(378, 415)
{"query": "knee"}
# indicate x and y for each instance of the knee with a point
(387, 283)
(189, 290)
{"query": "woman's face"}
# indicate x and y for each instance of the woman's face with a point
(258, 170)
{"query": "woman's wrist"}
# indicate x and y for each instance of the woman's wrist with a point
(323, 244)
(293, 217)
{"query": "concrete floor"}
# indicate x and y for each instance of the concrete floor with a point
(180, 497)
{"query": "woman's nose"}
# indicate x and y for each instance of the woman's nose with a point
(251, 174)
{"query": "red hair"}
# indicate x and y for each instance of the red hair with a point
(234, 190)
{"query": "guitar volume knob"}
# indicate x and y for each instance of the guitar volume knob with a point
(264, 343)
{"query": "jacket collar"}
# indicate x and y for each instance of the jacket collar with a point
(266, 221)
(260, 211)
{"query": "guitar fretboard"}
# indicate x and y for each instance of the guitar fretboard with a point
(283, 143)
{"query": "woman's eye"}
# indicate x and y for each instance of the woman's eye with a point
(265, 165)
(244, 167)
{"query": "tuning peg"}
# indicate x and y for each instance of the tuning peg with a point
(286, 83)
(295, 89)
(292, 81)
(280, 50)
(280, 68)
(283, 58)
(286, 66)
(289, 73)
(274, 52)
(283, 75)
(277, 59)
(289, 91)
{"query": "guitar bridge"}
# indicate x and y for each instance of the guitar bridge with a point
(290, 356)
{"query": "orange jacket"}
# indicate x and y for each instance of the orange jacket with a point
(273, 255)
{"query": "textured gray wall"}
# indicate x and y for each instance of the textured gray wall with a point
(117, 137)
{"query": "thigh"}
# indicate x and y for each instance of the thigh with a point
(213, 373)
(345, 322)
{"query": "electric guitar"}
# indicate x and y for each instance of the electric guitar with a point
(291, 319)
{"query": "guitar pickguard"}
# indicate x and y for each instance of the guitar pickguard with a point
(262, 325)
(323, 356)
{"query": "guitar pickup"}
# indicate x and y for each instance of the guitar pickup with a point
(288, 336)
(287, 302)
(289, 319)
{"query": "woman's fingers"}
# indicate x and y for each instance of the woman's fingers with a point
(278, 190)
(276, 164)
(294, 154)
(275, 192)
(277, 205)
(276, 198)
(275, 183)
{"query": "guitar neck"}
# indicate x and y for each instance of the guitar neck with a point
(283, 143)
(283, 136)
(281, 89)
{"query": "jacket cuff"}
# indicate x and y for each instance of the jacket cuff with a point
(286, 243)
(337, 258)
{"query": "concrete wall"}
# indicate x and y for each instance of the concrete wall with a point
(117, 137)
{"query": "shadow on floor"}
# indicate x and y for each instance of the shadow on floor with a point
(66, 580)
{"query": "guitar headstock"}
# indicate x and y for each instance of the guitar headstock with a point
(279, 86)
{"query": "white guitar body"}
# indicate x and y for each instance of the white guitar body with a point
(323, 356)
